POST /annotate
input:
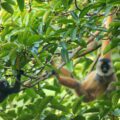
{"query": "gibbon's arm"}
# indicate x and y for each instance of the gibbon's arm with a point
(74, 84)
(64, 77)
(105, 43)
(68, 81)
(65, 72)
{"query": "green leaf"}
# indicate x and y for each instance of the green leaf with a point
(93, 116)
(51, 116)
(45, 16)
(108, 10)
(82, 43)
(32, 39)
(74, 33)
(77, 105)
(31, 93)
(44, 103)
(56, 105)
(64, 54)
(115, 99)
(60, 107)
(39, 1)
(8, 46)
(12, 2)
(116, 2)
(90, 7)
(70, 66)
(115, 42)
(7, 7)
(51, 87)
(74, 15)
(79, 117)
(11, 113)
(116, 112)
(20, 4)
(12, 55)
(117, 65)
(70, 2)
(63, 45)
(85, 11)
(64, 20)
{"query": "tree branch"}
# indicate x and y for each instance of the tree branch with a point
(87, 52)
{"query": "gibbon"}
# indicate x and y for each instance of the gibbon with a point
(97, 82)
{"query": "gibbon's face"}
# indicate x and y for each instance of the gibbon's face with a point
(104, 67)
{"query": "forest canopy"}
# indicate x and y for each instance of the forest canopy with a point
(36, 33)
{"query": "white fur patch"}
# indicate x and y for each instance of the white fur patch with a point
(101, 73)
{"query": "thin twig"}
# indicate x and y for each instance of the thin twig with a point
(87, 52)
(76, 5)
(94, 63)
(68, 92)
(29, 76)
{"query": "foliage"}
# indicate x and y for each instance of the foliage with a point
(32, 33)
